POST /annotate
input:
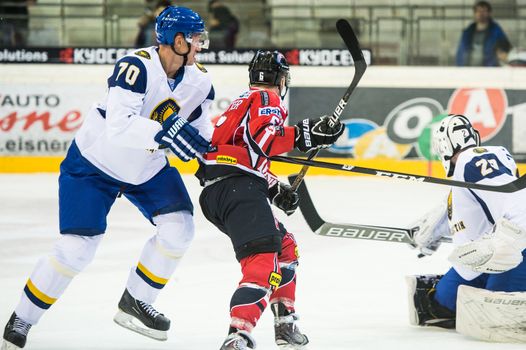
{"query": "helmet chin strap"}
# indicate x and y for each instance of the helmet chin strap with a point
(281, 87)
(285, 94)
(184, 55)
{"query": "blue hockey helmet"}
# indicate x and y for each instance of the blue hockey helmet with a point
(178, 19)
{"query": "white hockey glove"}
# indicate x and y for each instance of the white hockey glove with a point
(496, 252)
(430, 229)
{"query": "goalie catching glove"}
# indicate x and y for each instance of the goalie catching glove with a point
(430, 228)
(284, 197)
(182, 138)
(317, 133)
(496, 252)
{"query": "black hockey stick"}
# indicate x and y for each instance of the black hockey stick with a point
(355, 231)
(346, 32)
(513, 186)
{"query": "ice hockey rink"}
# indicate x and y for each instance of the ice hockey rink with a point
(351, 293)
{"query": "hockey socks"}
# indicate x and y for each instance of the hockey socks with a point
(246, 306)
(161, 255)
(51, 276)
(261, 275)
(286, 293)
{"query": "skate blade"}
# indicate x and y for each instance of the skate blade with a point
(8, 346)
(133, 324)
(287, 346)
(411, 290)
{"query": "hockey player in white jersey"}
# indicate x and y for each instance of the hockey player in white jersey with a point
(489, 233)
(157, 97)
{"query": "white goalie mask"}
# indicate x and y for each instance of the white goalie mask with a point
(453, 134)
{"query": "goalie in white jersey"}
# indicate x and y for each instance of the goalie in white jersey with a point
(157, 97)
(489, 233)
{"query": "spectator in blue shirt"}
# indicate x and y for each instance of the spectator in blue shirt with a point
(478, 41)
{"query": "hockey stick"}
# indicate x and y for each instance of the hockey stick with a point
(513, 186)
(355, 231)
(346, 32)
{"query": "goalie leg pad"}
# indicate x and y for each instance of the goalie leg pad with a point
(423, 309)
(491, 316)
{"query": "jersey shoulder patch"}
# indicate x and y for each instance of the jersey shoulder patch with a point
(130, 74)
(480, 150)
(143, 54)
(201, 67)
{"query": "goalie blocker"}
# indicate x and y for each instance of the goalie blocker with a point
(481, 314)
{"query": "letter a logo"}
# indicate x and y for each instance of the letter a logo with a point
(485, 108)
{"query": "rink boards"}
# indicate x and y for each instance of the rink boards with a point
(388, 119)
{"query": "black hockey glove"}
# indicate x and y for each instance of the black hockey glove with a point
(317, 133)
(283, 197)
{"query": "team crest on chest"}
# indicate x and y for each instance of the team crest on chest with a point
(164, 110)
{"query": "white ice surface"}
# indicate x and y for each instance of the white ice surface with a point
(351, 293)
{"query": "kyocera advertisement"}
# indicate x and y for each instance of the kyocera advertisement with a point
(397, 123)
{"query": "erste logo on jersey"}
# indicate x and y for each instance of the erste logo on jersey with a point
(485, 108)
(263, 111)
(164, 109)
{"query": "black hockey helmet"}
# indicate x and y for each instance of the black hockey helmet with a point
(268, 67)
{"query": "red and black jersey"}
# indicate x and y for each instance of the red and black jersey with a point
(251, 130)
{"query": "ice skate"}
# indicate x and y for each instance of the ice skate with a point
(423, 309)
(240, 340)
(288, 335)
(142, 318)
(15, 333)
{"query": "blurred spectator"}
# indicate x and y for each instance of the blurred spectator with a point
(224, 26)
(14, 22)
(477, 44)
(509, 56)
(146, 35)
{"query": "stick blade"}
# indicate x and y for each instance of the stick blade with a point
(307, 208)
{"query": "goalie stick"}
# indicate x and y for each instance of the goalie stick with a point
(513, 186)
(355, 231)
(346, 32)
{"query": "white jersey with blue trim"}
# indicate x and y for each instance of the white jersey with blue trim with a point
(117, 135)
(473, 213)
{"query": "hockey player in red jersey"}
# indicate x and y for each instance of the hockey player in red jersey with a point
(238, 189)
